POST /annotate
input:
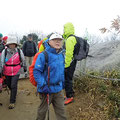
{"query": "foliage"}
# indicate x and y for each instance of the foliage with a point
(23, 39)
(101, 91)
(35, 38)
(115, 24)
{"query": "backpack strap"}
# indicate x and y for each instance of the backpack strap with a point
(46, 65)
(71, 35)
(5, 52)
(46, 58)
(18, 53)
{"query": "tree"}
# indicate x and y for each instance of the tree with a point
(115, 25)
(23, 39)
(35, 37)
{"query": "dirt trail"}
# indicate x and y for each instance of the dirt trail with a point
(83, 108)
(26, 105)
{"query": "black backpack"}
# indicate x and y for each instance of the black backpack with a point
(81, 48)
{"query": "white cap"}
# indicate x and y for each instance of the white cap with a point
(12, 40)
(55, 35)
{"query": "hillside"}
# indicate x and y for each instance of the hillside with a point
(105, 56)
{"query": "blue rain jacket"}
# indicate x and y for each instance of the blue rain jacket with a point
(56, 64)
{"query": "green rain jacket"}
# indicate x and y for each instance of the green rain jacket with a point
(70, 42)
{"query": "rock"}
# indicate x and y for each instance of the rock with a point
(106, 56)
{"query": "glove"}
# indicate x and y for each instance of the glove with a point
(25, 69)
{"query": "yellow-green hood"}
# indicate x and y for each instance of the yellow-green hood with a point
(70, 42)
(68, 30)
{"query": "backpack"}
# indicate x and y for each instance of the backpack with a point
(31, 76)
(31, 68)
(18, 53)
(81, 48)
(2, 46)
(40, 43)
(30, 48)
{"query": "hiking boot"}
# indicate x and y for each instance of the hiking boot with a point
(11, 106)
(68, 100)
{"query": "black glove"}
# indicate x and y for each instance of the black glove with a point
(25, 69)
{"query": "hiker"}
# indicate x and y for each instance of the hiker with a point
(5, 39)
(11, 62)
(70, 63)
(1, 44)
(29, 49)
(2, 47)
(4, 79)
(53, 59)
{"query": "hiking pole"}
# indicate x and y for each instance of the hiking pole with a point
(48, 105)
(48, 96)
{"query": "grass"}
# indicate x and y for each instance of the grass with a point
(105, 90)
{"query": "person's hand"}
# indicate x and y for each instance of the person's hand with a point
(45, 89)
(25, 69)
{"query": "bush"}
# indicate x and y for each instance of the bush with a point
(105, 90)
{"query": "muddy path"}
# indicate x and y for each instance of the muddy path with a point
(26, 105)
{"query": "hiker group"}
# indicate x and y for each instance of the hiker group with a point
(50, 66)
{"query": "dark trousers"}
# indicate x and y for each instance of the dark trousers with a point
(12, 85)
(69, 79)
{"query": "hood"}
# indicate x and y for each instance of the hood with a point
(50, 49)
(68, 30)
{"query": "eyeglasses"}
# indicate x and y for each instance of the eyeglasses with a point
(57, 39)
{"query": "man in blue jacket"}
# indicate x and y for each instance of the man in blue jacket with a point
(54, 85)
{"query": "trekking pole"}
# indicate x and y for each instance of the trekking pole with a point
(48, 93)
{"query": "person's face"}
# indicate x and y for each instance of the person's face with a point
(12, 46)
(30, 38)
(56, 43)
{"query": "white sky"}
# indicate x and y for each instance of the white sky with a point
(22, 16)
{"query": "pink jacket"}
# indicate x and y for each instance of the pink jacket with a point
(12, 66)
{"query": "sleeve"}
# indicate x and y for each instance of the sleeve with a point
(35, 48)
(24, 48)
(70, 43)
(39, 70)
(23, 58)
